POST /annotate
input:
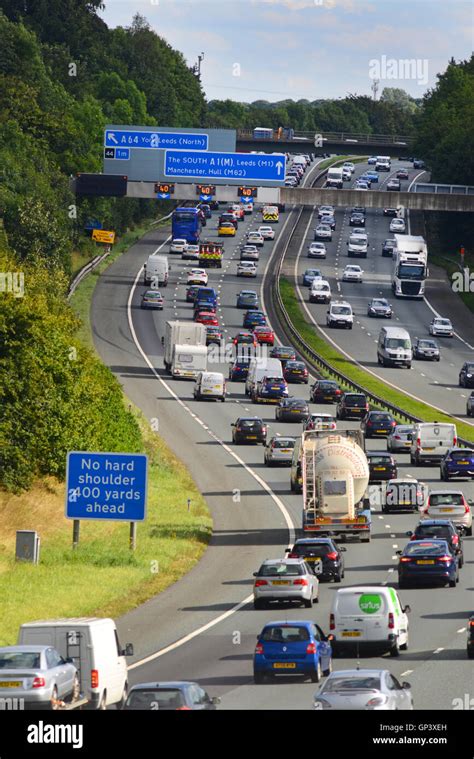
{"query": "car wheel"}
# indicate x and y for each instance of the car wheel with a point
(404, 646)
(461, 562)
(316, 675)
(395, 650)
(308, 602)
(76, 690)
(120, 704)
(258, 678)
(452, 583)
(54, 700)
(469, 531)
(316, 600)
(337, 578)
(258, 604)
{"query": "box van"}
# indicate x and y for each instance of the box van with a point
(320, 291)
(334, 178)
(156, 271)
(431, 441)
(357, 246)
(369, 616)
(188, 360)
(94, 647)
(210, 385)
(394, 347)
(258, 368)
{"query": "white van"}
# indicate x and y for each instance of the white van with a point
(320, 291)
(156, 271)
(430, 441)
(369, 616)
(210, 385)
(188, 360)
(259, 367)
(394, 347)
(94, 647)
(357, 246)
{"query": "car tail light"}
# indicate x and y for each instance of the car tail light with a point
(393, 424)
(455, 540)
(258, 583)
(300, 581)
(397, 437)
(406, 559)
(455, 441)
(391, 621)
(94, 678)
(332, 555)
(332, 624)
(292, 555)
(311, 648)
(376, 701)
(466, 507)
(444, 559)
(418, 442)
(471, 623)
(38, 682)
(259, 648)
(183, 709)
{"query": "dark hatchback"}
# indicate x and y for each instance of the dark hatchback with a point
(213, 335)
(249, 430)
(292, 410)
(191, 293)
(324, 550)
(466, 375)
(442, 529)
(426, 349)
(382, 466)
(388, 247)
(457, 462)
(284, 353)
(169, 696)
(470, 638)
(325, 391)
(239, 370)
(427, 561)
(295, 372)
(352, 405)
(378, 424)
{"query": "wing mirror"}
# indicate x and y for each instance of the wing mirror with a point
(406, 610)
(128, 650)
(399, 553)
(406, 686)
(342, 549)
(409, 533)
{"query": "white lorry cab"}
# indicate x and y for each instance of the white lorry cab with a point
(156, 271)
(369, 617)
(394, 347)
(94, 647)
(210, 385)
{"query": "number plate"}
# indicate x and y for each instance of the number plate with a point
(280, 582)
(10, 684)
(428, 561)
(447, 511)
(465, 463)
(351, 634)
(284, 665)
(379, 468)
(251, 437)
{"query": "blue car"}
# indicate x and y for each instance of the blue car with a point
(247, 299)
(427, 561)
(254, 319)
(239, 370)
(310, 275)
(457, 462)
(372, 175)
(270, 390)
(292, 648)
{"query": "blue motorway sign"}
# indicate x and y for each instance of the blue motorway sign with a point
(114, 138)
(106, 486)
(268, 167)
(163, 195)
(245, 199)
(93, 224)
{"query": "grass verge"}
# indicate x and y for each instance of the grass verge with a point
(341, 364)
(102, 577)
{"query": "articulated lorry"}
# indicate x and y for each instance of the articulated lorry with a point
(410, 268)
(185, 349)
(335, 478)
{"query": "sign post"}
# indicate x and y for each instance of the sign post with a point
(106, 486)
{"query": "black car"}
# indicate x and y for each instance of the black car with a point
(352, 405)
(378, 424)
(325, 391)
(443, 529)
(284, 353)
(402, 174)
(404, 495)
(388, 248)
(382, 466)
(425, 348)
(239, 370)
(292, 410)
(379, 307)
(466, 375)
(417, 164)
(470, 638)
(214, 205)
(249, 429)
(390, 212)
(320, 549)
(357, 220)
(295, 372)
(213, 335)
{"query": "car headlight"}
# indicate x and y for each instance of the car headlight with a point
(321, 703)
(468, 375)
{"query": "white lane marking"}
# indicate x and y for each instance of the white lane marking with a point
(228, 449)
(438, 650)
(395, 545)
(407, 672)
(461, 630)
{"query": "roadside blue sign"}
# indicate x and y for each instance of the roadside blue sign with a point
(163, 195)
(122, 154)
(205, 197)
(106, 486)
(93, 224)
(156, 140)
(245, 199)
(268, 167)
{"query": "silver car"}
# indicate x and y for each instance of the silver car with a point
(37, 674)
(400, 438)
(317, 250)
(363, 689)
(470, 405)
(449, 504)
(323, 232)
(285, 580)
(279, 450)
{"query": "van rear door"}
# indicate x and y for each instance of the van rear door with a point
(436, 438)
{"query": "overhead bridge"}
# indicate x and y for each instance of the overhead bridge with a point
(342, 143)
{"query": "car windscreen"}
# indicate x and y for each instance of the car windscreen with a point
(327, 385)
(461, 455)
(427, 344)
(162, 698)
(448, 499)
(295, 365)
(20, 660)
(281, 570)
(283, 443)
(380, 417)
(248, 423)
(385, 460)
(309, 549)
(425, 549)
(397, 342)
(285, 634)
(433, 531)
(341, 310)
(355, 400)
(351, 684)
(298, 404)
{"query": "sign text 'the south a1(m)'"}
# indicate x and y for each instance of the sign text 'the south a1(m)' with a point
(233, 168)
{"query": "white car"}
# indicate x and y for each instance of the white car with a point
(340, 314)
(178, 245)
(323, 232)
(246, 269)
(197, 277)
(255, 238)
(319, 420)
(441, 327)
(317, 250)
(249, 253)
(348, 165)
(268, 233)
(248, 207)
(360, 232)
(191, 252)
(352, 273)
(397, 225)
(325, 211)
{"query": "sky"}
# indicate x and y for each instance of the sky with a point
(277, 49)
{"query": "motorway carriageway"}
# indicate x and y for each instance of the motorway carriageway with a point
(204, 627)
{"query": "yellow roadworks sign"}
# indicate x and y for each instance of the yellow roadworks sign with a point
(102, 235)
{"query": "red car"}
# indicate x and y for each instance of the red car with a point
(238, 211)
(264, 335)
(205, 317)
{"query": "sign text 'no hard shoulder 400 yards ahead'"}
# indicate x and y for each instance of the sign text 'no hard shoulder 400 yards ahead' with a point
(106, 486)
(230, 167)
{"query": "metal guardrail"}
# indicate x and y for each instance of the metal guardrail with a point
(369, 139)
(443, 189)
(317, 361)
